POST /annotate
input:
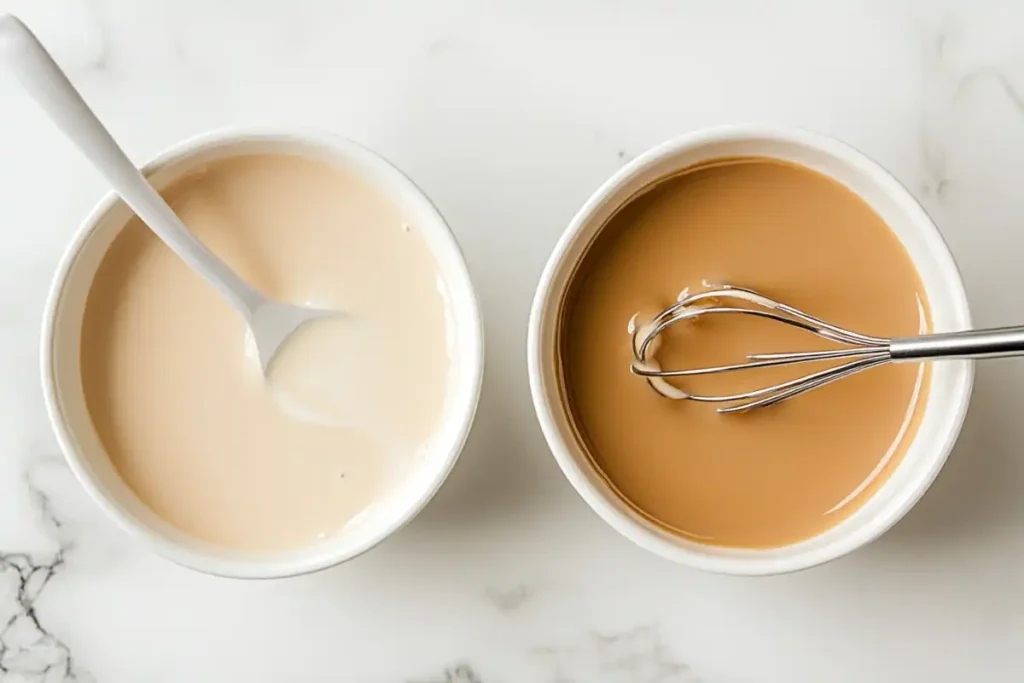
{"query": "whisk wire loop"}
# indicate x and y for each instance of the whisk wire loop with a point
(864, 352)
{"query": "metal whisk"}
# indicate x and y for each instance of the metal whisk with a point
(861, 351)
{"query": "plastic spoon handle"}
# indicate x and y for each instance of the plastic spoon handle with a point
(24, 55)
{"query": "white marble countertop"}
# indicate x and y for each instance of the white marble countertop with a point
(509, 115)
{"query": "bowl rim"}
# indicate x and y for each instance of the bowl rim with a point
(471, 343)
(599, 501)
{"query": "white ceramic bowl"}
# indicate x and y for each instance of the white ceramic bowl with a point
(63, 384)
(950, 384)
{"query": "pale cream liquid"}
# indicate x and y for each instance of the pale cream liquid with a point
(182, 407)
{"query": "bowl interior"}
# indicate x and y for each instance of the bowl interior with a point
(947, 397)
(63, 381)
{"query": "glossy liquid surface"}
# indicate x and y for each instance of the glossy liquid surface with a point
(770, 477)
(184, 411)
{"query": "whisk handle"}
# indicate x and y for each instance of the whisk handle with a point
(991, 343)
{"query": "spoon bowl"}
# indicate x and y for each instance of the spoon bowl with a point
(272, 323)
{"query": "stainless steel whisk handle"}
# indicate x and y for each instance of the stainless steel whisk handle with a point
(992, 343)
(857, 353)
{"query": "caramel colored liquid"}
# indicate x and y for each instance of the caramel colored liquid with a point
(773, 476)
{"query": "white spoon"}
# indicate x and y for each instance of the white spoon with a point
(271, 322)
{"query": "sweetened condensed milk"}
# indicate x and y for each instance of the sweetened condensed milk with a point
(773, 476)
(179, 401)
